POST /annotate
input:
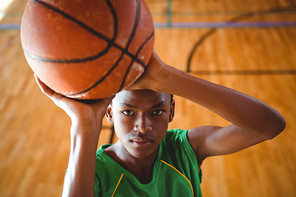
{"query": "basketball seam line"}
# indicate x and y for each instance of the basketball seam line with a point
(123, 52)
(89, 29)
(115, 19)
(72, 19)
(135, 26)
(101, 79)
(140, 48)
(114, 66)
(69, 61)
(129, 41)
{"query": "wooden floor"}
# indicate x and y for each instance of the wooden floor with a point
(255, 52)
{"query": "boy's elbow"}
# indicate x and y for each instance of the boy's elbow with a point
(275, 126)
(280, 126)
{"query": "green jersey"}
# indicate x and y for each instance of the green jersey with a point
(175, 172)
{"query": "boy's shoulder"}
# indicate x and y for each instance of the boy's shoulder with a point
(175, 137)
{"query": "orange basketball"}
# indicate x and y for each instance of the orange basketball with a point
(87, 49)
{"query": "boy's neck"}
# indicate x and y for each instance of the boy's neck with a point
(141, 168)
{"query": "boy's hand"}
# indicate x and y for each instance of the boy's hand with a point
(154, 73)
(90, 111)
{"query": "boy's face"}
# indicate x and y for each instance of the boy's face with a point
(141, 120)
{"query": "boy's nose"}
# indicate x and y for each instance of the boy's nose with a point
(143, 125)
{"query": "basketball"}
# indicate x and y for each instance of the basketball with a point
(87, 49)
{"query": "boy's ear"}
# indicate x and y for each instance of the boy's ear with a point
(172, 111)
(109, 113)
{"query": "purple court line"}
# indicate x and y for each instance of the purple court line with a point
(8, 26)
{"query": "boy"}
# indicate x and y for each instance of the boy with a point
(148, 160)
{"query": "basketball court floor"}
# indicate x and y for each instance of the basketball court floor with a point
(246, 45)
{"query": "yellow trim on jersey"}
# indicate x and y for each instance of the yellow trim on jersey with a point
(117, 185)
(180, 174)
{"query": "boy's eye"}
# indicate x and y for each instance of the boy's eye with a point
(157, 112)
(128, 112)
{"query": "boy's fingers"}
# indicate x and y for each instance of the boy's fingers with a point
(55, 97)
(46, 90)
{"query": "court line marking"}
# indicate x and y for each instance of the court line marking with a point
(226, 24)
(174, 13)
(245, 72)
(10, 26)
(169, 13)
(236, 20)
(241, 24)
(211, 13)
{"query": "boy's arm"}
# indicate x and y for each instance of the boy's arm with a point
(86, 126)
(253, 121)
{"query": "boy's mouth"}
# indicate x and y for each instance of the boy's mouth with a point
(141, 141)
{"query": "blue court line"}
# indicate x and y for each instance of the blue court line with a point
(226, 24)
(245, 72)
(11, 26)
(215, 13)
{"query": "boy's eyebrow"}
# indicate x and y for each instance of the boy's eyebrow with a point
(128, 105)
(158, 105)
(135, 107)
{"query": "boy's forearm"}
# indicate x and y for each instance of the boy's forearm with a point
(85, 130)
(79, 179)
(238, 108)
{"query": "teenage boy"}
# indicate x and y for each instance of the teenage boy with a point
(148, 160)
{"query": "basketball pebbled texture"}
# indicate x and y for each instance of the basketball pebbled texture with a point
(87, 49)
